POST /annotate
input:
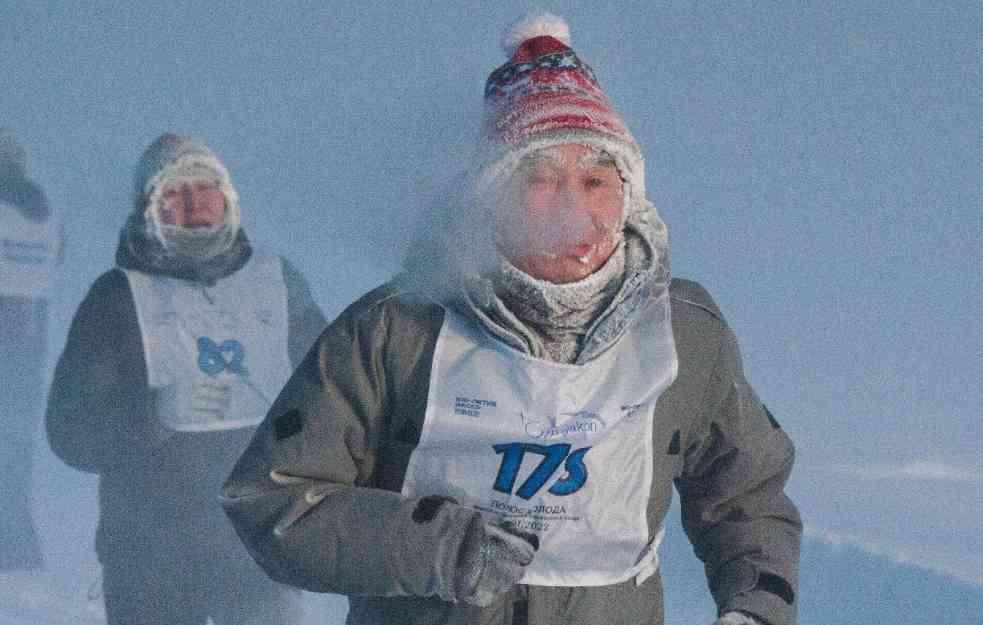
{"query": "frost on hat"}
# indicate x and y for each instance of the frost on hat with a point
(545, 86)
(172, 155)
(545, 95)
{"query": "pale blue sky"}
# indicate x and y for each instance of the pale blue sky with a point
(819, 166)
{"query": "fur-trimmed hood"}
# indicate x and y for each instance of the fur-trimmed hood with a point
(201, 254)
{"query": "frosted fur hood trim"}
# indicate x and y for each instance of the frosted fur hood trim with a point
(172, 157)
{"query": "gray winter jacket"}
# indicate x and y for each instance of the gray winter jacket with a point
(316, 500)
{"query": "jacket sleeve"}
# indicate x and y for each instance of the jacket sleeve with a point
(305, 319)
(301, 496)
(734, 510)
(99, 410)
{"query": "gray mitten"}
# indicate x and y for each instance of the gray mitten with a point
(493, 558)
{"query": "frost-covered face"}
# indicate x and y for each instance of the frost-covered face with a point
(563, 213)
(192, 203)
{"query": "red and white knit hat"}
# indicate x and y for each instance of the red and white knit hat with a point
(545, 95)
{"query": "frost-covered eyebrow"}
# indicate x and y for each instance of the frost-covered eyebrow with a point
(594, 158)
(542, 157)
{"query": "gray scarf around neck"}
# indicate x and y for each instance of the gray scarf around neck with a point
(645, 272)
(556, 317)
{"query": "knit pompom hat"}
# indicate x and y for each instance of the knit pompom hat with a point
(172, 157)
(545, 95)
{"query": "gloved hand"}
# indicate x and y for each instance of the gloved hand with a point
(210, 399)
(206, 401)
(736, 618)
(493, 558)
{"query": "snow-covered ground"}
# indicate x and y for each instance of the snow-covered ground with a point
(45, 599)
(68, 590)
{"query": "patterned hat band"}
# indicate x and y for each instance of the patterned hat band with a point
(566, 111)
(503, 79)
(545, 87)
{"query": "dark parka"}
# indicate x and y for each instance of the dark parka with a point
(158, 490)
(316, 495)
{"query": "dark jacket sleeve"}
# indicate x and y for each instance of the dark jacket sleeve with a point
(734, 509)
(304, 316)
(99, 407)
(302, 497)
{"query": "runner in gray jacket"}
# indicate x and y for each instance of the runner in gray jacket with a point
(493, 437)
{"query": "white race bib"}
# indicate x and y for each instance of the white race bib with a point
(564, 451)
(28, 251)
(232, 334)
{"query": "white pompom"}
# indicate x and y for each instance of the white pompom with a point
(534, 25)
